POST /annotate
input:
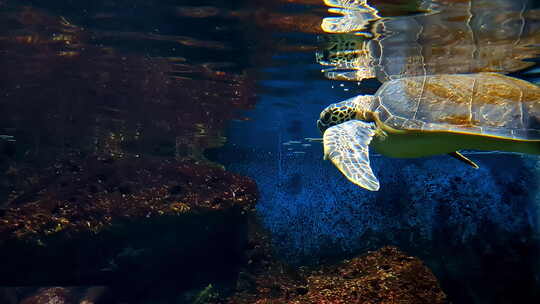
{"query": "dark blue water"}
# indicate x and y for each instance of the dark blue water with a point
(144, 79)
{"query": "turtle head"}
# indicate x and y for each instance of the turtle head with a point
(354, 108)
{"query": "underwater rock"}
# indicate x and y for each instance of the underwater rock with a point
(101, 221)
(54, 295)
(384, 276)
(87, 195)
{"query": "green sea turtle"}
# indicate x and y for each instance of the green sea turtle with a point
(431, 115)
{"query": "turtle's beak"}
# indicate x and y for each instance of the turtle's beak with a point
(321, 126)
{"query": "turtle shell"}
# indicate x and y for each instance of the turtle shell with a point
(487, 104)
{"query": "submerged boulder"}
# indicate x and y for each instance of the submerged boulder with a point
(54, 295)
(383, 276)
(126, 222)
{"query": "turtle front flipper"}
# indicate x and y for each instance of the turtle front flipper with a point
(346, 145)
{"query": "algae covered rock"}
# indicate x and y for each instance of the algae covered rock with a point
(102, 221)
(57, 295)
(384, 276)
(54, 295)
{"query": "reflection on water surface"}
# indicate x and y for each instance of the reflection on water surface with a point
(465, 37)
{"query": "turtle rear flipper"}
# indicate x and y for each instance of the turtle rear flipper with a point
(346, 145)
(464, 159)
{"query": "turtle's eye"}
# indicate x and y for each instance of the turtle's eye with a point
(326, 116)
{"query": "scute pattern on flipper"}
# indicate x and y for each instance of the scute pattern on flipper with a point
(356, 15)
(346, 145)
(487, 104)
